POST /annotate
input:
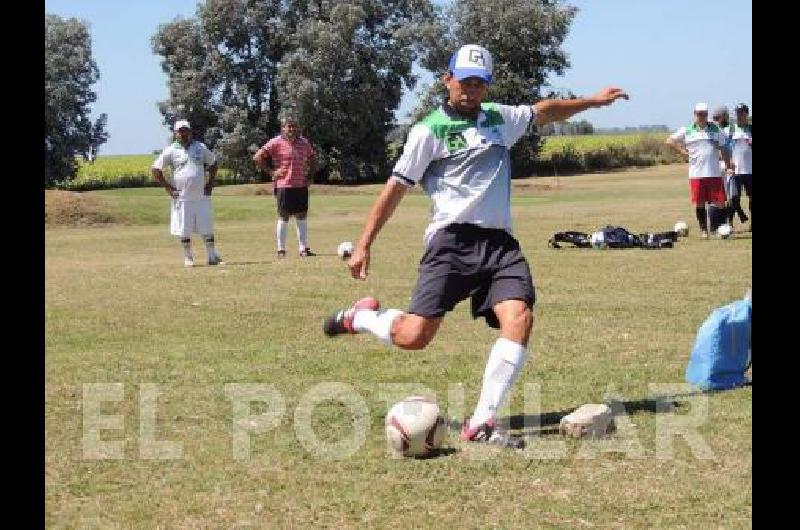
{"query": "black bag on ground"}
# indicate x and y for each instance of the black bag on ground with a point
(579, 239)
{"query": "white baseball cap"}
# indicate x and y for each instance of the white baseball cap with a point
(701, 107)
(472, 61)
(180, 124)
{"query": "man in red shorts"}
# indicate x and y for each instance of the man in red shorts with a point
(703, 144)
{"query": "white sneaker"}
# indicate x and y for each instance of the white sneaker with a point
(188, 261)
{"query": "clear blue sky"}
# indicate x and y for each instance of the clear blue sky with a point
(667, 55)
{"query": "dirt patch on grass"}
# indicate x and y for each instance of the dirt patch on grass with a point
(68, 208)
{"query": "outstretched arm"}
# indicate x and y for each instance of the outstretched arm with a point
(678, 147)
(550, 110)
(381, 211)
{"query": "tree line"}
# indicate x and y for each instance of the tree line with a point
(340, 67)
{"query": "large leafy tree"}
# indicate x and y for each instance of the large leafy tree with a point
(70, 73)
(525, 39)
(339, 66)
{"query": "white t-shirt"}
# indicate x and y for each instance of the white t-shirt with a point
(188, 168)
(742, 140)
(464, 165)
(703, 146)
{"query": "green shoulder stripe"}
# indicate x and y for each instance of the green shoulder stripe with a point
(443, 126)
(712, 128)
(492, 114)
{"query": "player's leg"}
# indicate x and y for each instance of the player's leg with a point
(392, 326)
(204, 218)
(283, 220)
(506, 304)
(506, 359)
(714, 193)
(747, 182)
(445, 278)
(736, 184)
(179, 226)
(300, 210)
(695, 195)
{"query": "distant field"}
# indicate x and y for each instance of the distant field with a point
(118, 171)
(590, 142)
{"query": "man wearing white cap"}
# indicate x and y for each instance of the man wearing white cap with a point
(189, 190)
(459, 154)
(704, 143)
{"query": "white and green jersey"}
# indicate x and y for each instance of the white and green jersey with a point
(742, 153)
(464, 165)
(703, 145)
(188, 168)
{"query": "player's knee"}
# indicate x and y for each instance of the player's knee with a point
(413, 333)
(520, 321)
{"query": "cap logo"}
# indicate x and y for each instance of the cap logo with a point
(476, 56)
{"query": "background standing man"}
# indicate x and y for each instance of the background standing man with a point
(189, 190)
(293, 158)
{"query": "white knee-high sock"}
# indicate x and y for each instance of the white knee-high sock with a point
(302, 233)
(281, 232)
(379, 323)
(505, 363)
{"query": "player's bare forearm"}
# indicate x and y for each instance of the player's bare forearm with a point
(260, 160)
(159, 176)
(553, 110)
(677, 148)
(381, 211)
(726, 157)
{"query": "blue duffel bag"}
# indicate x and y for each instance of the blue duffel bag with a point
(722, 351)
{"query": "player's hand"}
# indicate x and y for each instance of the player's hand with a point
(608, 95)
(359, 263)
(172, 192)
(207, 189)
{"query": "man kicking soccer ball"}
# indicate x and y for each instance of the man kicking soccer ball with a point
(459, 153)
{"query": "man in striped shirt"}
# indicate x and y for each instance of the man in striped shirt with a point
(293, 159)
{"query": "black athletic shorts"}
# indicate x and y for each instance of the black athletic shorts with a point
(467, 261)
(291, 201)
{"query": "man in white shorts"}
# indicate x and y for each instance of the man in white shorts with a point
(189, 190)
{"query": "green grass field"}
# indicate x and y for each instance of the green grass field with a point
(121, 309)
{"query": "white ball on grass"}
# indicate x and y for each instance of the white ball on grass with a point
(345, 249)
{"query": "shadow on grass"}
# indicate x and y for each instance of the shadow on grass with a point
(548, 423)
(438, 453)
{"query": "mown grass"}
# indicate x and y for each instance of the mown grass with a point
(121, 309)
